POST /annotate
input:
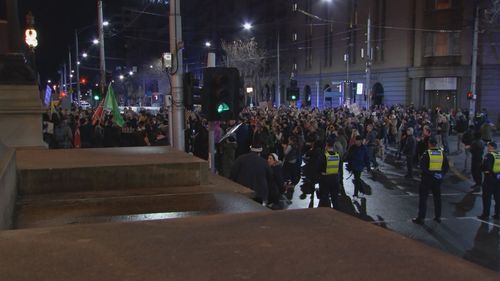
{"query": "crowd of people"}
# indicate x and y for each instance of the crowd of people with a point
(268, 151)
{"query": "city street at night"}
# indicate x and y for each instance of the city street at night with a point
(250, 140)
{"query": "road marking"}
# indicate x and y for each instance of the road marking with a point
(479, 220)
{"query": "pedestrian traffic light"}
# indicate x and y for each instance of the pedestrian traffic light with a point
(470, 95)
(293, 93)
(221, 96)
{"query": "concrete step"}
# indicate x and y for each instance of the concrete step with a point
(313, 244)
(81, 170)
(41, 211)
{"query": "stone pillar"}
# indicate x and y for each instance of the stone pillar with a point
(20, 104)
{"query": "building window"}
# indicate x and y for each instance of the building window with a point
(441, 44)
(295, 6)
(294, 36)
(442, 4)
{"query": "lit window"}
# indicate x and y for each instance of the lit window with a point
(442, 44)
(295, 6)
(442, 4)
(294, 36)
(294, 66)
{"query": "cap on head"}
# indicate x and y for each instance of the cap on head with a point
(256, 148)
(274, 156)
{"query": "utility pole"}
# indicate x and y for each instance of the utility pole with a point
(102, 68)
(175, 27)
(65, 82)
(211, 125)
(278, 92)
(368, 61)
(473, 85)
(70, 91)
(77, 69)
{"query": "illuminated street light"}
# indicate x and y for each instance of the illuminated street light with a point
(247, 26)
(208, 44)
(105, 23)
(95, 41)
(49, 81)
(78, 62)
(130, 73)
(85, 55)
(121, 77)
(151, 66)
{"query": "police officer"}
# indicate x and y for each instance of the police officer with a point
(329, 181)
(491, 184)
(434, 166)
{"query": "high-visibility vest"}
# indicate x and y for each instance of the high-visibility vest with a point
(332, 163)
(496, 162)
(436, 159)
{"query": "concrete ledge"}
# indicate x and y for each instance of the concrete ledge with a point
(130, 208)
(79, 170)
(318, 244)
(8, 189)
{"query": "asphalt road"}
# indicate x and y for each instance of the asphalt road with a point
(393, 202)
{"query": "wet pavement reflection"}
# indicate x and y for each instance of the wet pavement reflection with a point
(393, 201)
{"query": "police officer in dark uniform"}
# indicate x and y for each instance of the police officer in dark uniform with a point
(330, 166)
(491, 184)
(434, 165)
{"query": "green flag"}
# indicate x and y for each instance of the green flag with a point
(111, 104)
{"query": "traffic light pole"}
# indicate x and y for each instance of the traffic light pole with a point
(77, 69)
(473, 86)
(102, 68)
(177, 121)
(211, 126)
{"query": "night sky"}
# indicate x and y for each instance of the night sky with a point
(56, 21)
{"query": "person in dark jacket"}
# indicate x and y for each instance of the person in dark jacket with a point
(434, 165)
(252, 171)
(467, 139)
(491, 185)
(477, 152)
(371, 145)
(358, 159)
(276, 186)
(409, 151)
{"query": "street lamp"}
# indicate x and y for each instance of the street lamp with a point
(208, 44)
(49, 81)
(247, 26)
(85, 55)
(95, 41)
(121, 77)
(130, 73)
(105, 23)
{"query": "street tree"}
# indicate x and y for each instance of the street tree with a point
(249, 59)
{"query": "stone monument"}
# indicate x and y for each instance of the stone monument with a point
(20, 105)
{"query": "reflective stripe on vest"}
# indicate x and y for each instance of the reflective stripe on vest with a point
(435, 160)
(332, 164)
(496, 162)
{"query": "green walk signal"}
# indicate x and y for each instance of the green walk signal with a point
(223, 107)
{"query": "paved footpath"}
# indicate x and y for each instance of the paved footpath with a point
(392, 201)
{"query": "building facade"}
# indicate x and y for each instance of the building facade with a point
(421, 52)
